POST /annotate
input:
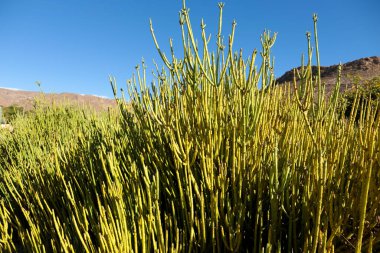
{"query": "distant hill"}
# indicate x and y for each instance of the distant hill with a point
(26, 99)
(364, 68)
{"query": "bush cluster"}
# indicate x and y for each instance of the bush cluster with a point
(212, 157)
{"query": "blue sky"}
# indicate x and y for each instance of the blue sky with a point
(73, 45)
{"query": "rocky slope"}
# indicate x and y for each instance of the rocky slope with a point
(364, 68)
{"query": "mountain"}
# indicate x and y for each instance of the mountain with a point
(364, 68)
(26, 99)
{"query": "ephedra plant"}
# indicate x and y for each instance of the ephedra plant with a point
(214, 156)
(249, 167)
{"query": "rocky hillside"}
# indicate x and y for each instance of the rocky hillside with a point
(26, 99)
(364, 68)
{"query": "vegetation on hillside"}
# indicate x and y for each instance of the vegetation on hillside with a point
(10, 112)
(368, 91)
(211, 157)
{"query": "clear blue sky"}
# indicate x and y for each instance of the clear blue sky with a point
(73, 45)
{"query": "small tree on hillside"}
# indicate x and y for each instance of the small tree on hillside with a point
(10, 112)
(368, 91)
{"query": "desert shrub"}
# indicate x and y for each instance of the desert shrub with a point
(364, 92)
(10, 112)
(212, 157)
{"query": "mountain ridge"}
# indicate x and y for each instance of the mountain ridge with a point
(26, 99)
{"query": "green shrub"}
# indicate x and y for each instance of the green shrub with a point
(10, 112)
(204, 161)
(363, 93)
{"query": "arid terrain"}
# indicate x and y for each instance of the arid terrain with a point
(26, 99)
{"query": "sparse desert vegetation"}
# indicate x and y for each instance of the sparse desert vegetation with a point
(212, 157)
